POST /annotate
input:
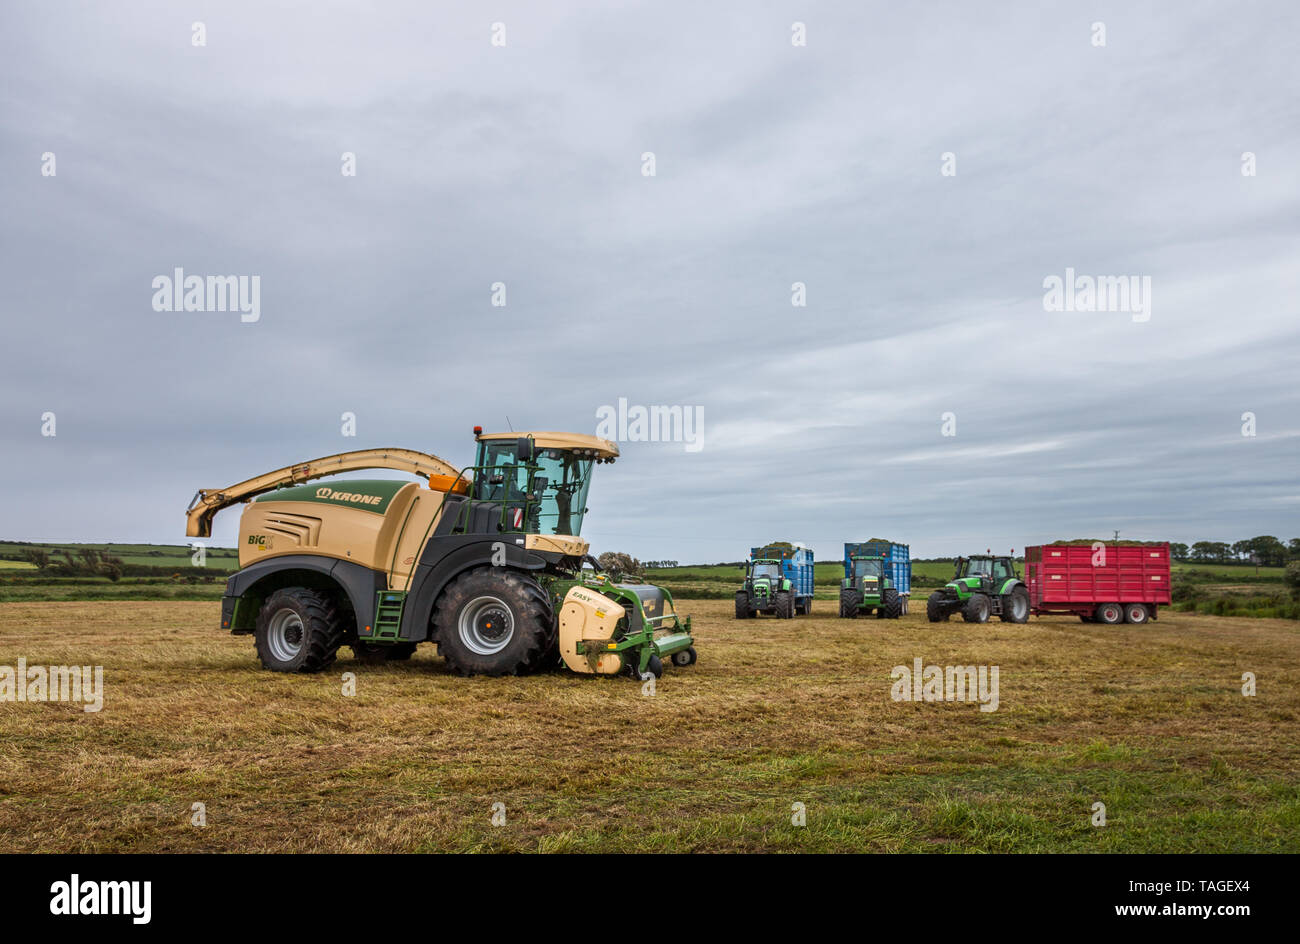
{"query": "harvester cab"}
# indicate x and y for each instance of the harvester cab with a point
(868, 588)
(481, 562)
(984, 585)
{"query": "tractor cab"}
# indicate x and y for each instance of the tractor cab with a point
(983, 572)
(541, 480)
(868, 574)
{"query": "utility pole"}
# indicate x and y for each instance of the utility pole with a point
(1116, 535)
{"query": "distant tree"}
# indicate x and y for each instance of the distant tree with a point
(1292, 577)
(1294, 547)
(37, 557)
(1178, 551)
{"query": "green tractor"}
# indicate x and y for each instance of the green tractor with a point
(984, 586)
(869, 590)
(766, 590)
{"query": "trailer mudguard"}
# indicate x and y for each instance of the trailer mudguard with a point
(361, 584)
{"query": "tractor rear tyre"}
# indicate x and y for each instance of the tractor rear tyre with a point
(1135, 613)
(491, 621)
(298, 630)
(935, 611)
(784, 604)
(1015, 606)
(848, 604)
(976, 609)
(891, 605)
(1110, 613)
(742, 606)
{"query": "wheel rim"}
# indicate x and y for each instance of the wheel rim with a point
(1112, 614)
(1019, 607)
(486, 625)
(284, 635)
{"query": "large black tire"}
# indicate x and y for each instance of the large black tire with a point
(935, 611)
(891, 604)
(492, 621)
(784, 604)
(375, 654)
(1015, 606)
(976, 609)
(1109, 613)
(298, 630)
(742, 606)
(848, 604)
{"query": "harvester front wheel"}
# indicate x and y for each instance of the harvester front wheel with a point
(935, 610)
(976, 609)
(494, 622)
(298, 630)
(1015, 606)
(848, 604)
(892, 605)
(784, 604)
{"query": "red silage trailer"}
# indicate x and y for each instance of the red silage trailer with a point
(1114, 583)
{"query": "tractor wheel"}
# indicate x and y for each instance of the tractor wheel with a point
(1136, 613)
(375, 654)
(298, 630)
(1015, 606)
(491, 621)
(1110, 613)
(684, 657)
(742, 606)
(935, 611)
(784, 604)
(891, 605)
(976, 609)
(848, 604)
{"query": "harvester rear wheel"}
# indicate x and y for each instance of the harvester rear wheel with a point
(1015, 606)
(784, 604)
(298, 630)
(891, 605)
(935, 611)
(491, 621)
(848, 604)
(976, 609)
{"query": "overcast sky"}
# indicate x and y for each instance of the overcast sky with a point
(774, 164)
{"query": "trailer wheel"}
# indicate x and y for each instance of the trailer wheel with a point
(298, 630)
(1015, 606)
(784, 604)
(494, 622)
(848, 604)
(1110, 613)
(1136, 613)
(976, 609)
(742, 606)
(891, 605)
(935, 611)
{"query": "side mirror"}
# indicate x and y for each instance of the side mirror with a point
(524, 449)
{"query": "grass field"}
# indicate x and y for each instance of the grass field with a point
(1149, 720)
